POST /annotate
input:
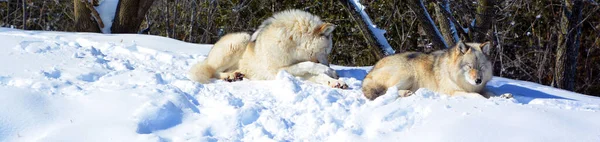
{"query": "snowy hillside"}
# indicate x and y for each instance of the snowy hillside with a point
(90, 87)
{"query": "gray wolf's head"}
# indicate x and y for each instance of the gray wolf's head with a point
(471, 62)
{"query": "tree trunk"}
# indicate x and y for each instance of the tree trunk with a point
(428, 25)
(568, 45)
(483, 20)
(24, 15)
(168, 22)
(446, 26)
(192, 23)
(175, 20)
(129, 15)
(84, 22)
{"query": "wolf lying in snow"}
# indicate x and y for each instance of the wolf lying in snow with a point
(460, 70)
(293, 40)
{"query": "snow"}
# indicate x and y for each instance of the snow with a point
(57, 86)
(379, 33)
(107, 10)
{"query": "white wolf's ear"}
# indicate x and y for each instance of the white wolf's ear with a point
(324, 29)
(485, 47)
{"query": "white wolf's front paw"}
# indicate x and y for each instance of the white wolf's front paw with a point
(337, 84)
(233, 77)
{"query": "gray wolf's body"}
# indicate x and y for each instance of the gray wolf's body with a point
(295, 41)
(460, 70)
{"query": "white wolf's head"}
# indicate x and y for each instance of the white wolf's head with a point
(310, 36)
(471, 63)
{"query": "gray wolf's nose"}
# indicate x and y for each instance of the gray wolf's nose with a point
(478, 81)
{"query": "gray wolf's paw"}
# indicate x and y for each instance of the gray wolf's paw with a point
(506, 96)
(337, 84)
(236, 76)
(405, 93)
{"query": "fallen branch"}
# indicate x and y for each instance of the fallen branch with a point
(377, 48)
(428, 25)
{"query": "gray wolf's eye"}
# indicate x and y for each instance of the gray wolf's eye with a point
(468, 67)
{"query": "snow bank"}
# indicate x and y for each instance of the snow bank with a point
(91, 87)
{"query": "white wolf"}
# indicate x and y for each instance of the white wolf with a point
(293, 40)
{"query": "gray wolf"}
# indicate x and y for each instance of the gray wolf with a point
(295, 41)
(462, 70)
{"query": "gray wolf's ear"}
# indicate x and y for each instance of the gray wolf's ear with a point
(324, 29)
(462, 48)
(485, 47)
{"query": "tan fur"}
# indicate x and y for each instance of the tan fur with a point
(295, 41)
(453, 71)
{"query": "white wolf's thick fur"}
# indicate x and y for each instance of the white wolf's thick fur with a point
(461, 70)
(295, 41)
